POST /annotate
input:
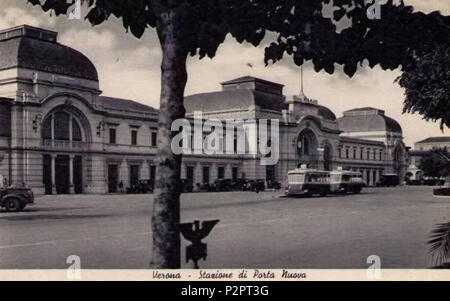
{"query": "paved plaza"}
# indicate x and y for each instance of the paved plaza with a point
(255, 230)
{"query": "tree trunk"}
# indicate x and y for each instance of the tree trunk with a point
(166, 206)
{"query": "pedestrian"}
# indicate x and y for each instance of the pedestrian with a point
(121, 187)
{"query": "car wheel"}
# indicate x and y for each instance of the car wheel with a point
(13, 205)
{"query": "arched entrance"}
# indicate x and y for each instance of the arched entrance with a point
(64, 136)
(307, 145)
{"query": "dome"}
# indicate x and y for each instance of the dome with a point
(326, 113)
(368, 119)
(306, 102)
(37, 49)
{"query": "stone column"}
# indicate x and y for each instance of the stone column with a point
(70, 129)
(71, 185)
(197, 175)
(183, 170)
(320, 158)
(52, 129)
(213, 174)
(228, 171)
(53, 156)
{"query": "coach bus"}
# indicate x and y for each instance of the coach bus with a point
(344, 181)
(308, 182)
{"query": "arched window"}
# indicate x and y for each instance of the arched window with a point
(61, 125)
(307, 143)
(76, 131)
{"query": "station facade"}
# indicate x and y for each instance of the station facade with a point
(60, 135)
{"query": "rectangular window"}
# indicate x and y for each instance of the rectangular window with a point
(235, 173)
(190, 172)
(152, 172)
(205, 174)
(346, 153)
(354, 153)
(154, 138)
(134, 174)
(381, 155)
(133, 137)
(221, 172)
(112, 136)
(368, 154)
(361, 155)
(374, 154)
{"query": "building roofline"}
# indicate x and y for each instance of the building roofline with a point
(365, 141)
(434, 139)
(247, 79)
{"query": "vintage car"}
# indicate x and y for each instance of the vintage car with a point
(388, 180)
(221, 185)
(433, 181)
(255, 185)
(187, 185)
(308, 182)
(238, 184)
(142, 186)
(343, 181)
(272, 184)
(15, 198)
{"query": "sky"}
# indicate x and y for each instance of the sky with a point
(130, 68)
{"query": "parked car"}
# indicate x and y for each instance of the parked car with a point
(238, 184)
(433, 182)
(255, 185)
(15, 198)
(187, 185)
(388, 180)
(272, 184)
(142, 186)
(204, 186)
(221, 185)
(414, 182)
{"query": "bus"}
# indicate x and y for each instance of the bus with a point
(308, 182)
(343, 181)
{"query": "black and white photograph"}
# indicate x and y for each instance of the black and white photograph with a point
(225, 139)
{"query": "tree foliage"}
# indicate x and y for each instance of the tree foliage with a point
(440, 244)
(399, 36)
(427, 85)
(434, 164)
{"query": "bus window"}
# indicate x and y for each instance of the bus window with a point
(335, 177)
(346, 178)
(297, 178)
(357, 178)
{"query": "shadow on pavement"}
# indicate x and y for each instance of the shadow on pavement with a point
(51, 217)
(37, 209)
